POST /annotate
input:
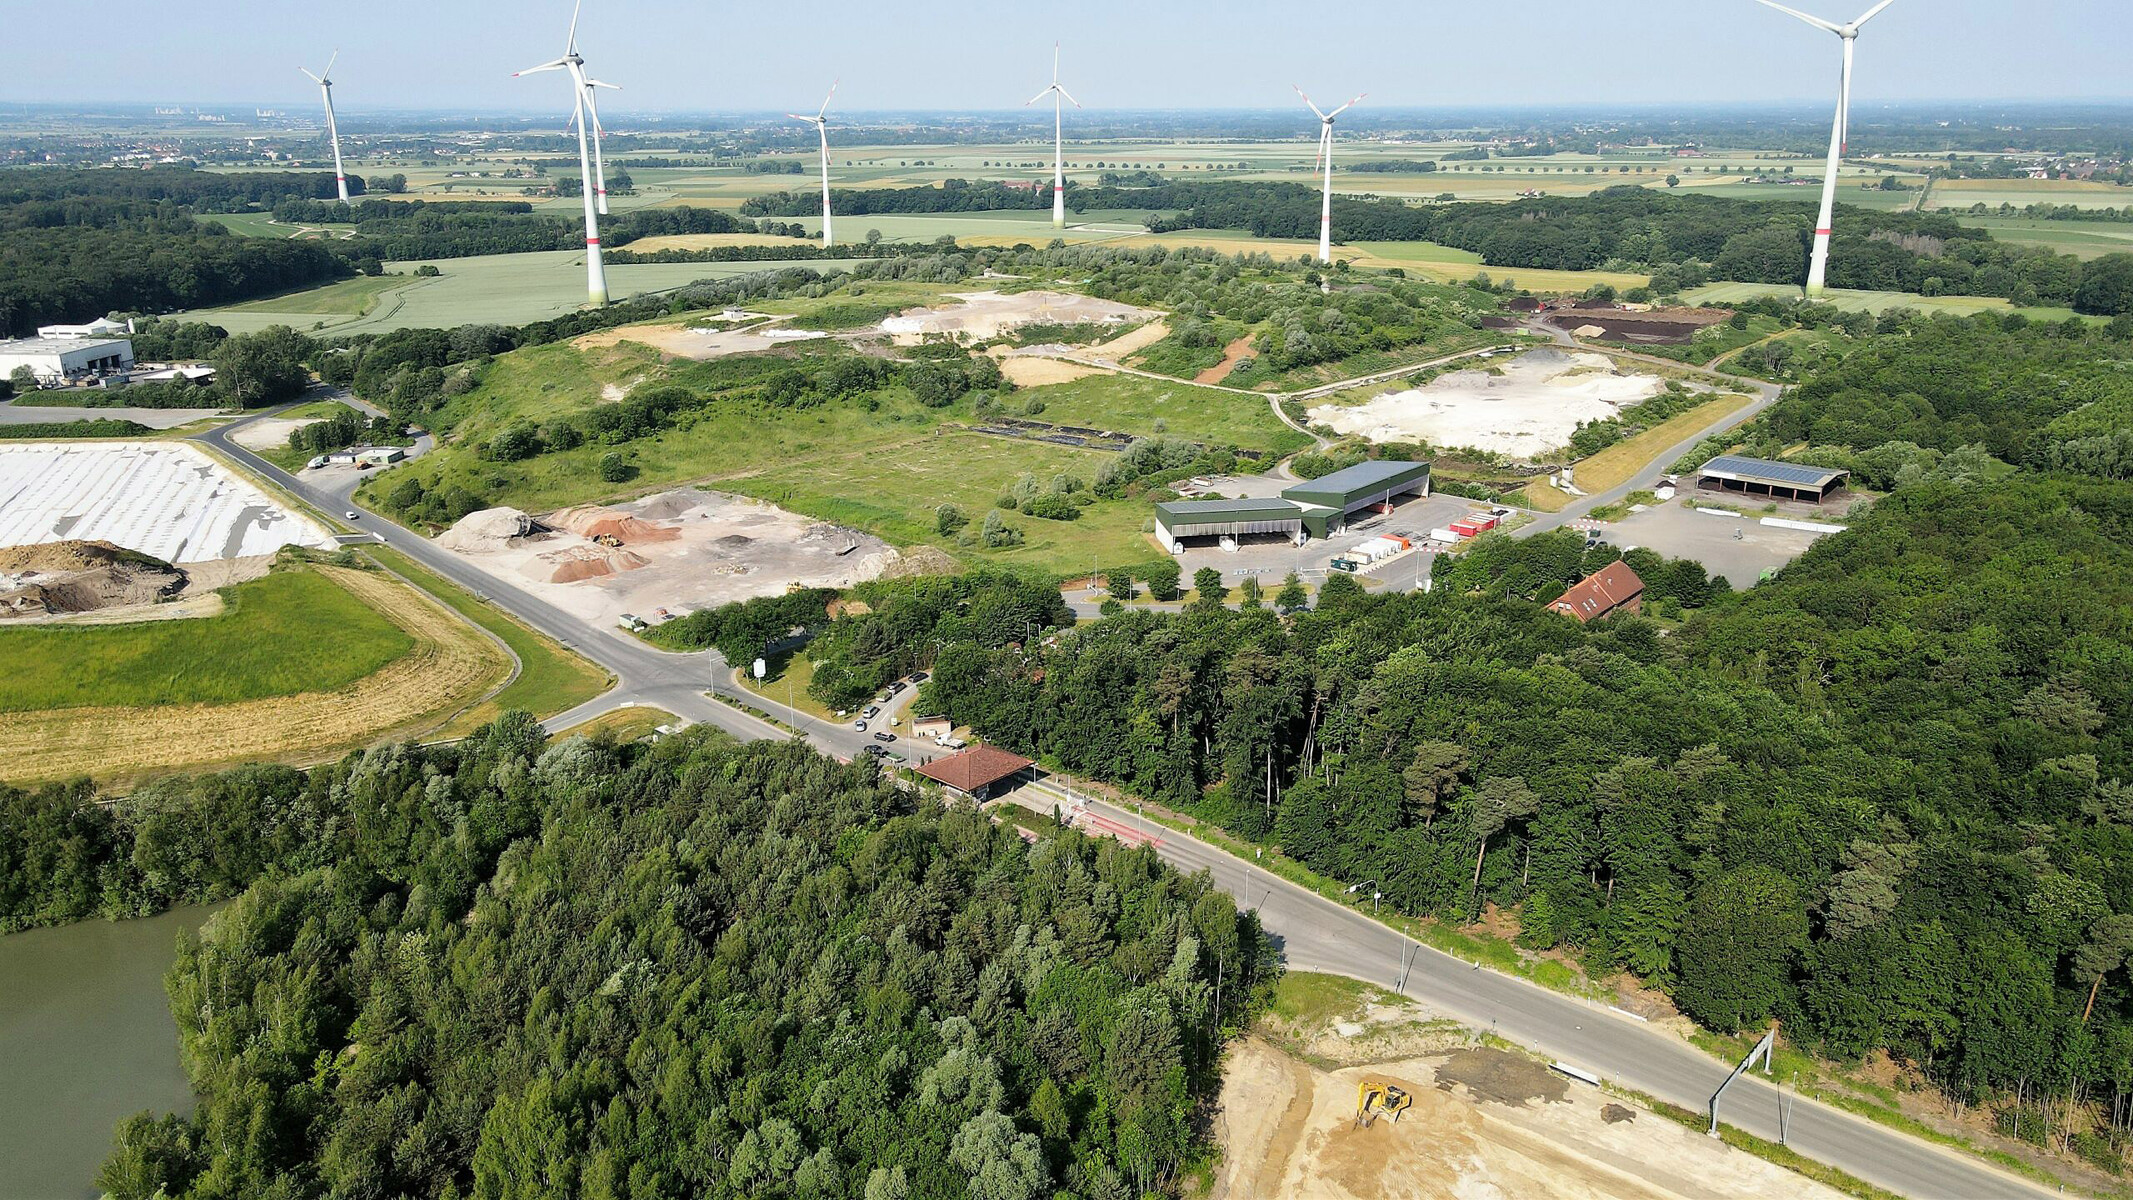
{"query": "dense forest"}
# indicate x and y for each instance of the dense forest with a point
(515, 968)
(1883, 798)
(954, 195)
(75, 245)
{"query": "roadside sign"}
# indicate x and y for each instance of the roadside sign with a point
(760, 669)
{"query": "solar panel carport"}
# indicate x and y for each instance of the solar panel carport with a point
(1767, 477)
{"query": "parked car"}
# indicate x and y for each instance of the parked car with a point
(884, 736)
(872, 710)
(861, 726)
(919, 677)
(896, 687)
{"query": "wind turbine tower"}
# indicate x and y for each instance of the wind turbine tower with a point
(1839, 136)
(821, 123)
(1057, 94)
(324, 80)
(1325, 160)
(599, 132)
(581, 87)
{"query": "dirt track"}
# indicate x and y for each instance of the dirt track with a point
(450, 667)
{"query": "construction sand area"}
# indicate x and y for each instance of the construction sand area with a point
(1525, 407)
(680, 551)
(271, 433)
(684, 341)
(1485, 1123)
(983, 316)
(163, 499)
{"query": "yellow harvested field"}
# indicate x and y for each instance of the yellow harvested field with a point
(452, 665)
(708, 241)
(1024, 370)
(1132, 343)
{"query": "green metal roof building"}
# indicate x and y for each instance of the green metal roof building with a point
(1330, 500)
(1180, 519)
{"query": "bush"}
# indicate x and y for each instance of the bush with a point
(616, 469)
(1162, 577)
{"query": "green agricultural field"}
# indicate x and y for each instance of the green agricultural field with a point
(1958, 194)
(260, 224)
(2082, 239)
(290, 632)
(502, 289)
(346, 297)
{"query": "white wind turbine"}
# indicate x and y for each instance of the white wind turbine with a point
(324, 80)
(1325, 160)
(821, 123)
(595, 271)
(1057, 94)
(599, 133)
(1839, 136)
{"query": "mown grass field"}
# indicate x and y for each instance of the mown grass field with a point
(633, 723)
(1133, 404)
(293, 631)
(503, 289)
(1962, 193)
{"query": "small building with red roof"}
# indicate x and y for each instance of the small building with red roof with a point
(1611, 589)
(976, 771)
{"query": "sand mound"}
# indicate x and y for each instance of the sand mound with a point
(668, 505)
(593, 521)
(491, 529)
(836, 538)
(78, 576)
(1528, 406)
(573, 563)
(919, 560)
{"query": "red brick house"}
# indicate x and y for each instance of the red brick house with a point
(1613, 588)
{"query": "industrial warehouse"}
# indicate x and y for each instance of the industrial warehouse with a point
(1317, 508)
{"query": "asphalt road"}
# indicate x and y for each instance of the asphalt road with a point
(1312, 932)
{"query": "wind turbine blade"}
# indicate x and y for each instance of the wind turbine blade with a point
(1872, 13)
(1039, 96)
(571, 46)
(1069, 97)
(328, 72)
(826, 100)
(1319, 160)
(1055, 62)
(599, 83)
(1345, 107)
(802, 117)
(1307, 101)
(1817, 22)
(557, 65)
(313, 78)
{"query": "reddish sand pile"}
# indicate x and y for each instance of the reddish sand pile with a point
(573, 563)
(593, 521)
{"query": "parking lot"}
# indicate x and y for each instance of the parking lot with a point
(1677, 530)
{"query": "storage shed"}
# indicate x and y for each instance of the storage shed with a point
(1766, 477)
(1177, 520)
(1332, 499)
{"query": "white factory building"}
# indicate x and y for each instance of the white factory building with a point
(60, 353)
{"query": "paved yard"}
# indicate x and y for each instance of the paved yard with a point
(1679, 531)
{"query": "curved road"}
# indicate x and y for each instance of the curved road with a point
(1312, 932)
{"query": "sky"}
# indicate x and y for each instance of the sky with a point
(690, 56)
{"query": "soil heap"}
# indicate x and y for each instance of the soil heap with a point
(492, 529)
(80, 576)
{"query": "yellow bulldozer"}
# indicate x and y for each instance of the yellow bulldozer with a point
(1375, 1095)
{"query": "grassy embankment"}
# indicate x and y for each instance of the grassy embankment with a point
(550, 678)
(1619, 463)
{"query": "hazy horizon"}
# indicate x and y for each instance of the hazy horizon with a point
(956, 57)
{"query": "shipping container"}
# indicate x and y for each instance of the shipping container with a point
(1447, 535)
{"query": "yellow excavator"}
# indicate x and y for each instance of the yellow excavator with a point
(1375, 1095)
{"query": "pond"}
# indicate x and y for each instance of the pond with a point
(86, 1040)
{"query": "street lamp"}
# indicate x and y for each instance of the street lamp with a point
(1375, 895)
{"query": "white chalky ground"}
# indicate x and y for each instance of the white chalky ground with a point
(164, 499)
